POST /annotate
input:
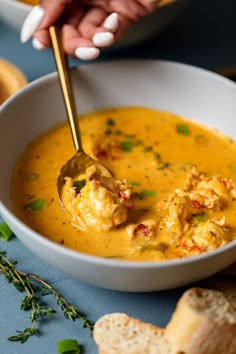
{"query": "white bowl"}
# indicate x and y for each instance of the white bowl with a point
(185, 90)
(14, 12)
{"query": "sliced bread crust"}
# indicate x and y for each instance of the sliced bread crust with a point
(118, 333)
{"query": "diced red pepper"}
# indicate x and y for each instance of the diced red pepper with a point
(102, 154)
(196, 205)
(143, 228)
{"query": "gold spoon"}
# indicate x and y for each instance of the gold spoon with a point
(78, 164)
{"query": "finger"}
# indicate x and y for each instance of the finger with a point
(73, 43)
(78, 46)
(94, 17)
(71, 15)
(107, 33)
(42, 16)
(116, 23)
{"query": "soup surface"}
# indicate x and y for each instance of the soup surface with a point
(180, 174)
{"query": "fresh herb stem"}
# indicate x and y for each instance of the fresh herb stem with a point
(35, 287)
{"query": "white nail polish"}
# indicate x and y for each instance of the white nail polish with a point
(85, 53)
(37, 44)
(31, 23)
(111, 22)
(103, 39)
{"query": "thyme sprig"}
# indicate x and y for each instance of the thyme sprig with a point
(35, 287)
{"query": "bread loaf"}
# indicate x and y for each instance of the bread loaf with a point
(118, 333)
(204, 322)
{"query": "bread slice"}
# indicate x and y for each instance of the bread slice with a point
(204, 322)
(117, 333)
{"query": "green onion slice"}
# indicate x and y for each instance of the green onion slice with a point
(110, 122)
(5, 232)
(36, 205)
(79, 184)
(68, 346)
(183, 129)
(148, 193)
(126, 145)
(134, 184)
(200, 217)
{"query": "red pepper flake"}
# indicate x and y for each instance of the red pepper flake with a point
(143, 228)
(102, 154)
(122, 195)
(196, 205)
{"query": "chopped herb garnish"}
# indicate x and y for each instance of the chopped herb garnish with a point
(147, 148)
(134, 184)
(157, 156)
(5, 232)
(79, 184)
(163, 166)
(183, 129)
(68, 346)
(110, 122)
(126, 145)
(200, 217)
(147, 193)
(35, 205)
(108, 132)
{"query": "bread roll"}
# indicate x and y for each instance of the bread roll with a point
(204, 322)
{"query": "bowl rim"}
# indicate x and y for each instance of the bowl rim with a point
(93, 259)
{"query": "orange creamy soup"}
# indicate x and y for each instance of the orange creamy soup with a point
(172, 192)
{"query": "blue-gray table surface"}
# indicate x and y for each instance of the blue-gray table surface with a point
(205, 37)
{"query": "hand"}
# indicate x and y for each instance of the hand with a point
(87, 25)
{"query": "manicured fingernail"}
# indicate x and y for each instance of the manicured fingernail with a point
(37, 44)
(31, 23)
(103, 39)
(111, 22)
(85, 53)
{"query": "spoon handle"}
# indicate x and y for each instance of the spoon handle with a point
(66, 86)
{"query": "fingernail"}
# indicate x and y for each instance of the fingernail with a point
(31, 23)
(103, 39)
(112, 22)
(37, 44)
(85, 53)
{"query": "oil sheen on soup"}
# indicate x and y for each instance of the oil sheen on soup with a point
(171, 195)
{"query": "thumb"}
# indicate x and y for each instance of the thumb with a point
(42, 16)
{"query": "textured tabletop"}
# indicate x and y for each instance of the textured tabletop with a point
(205, 37)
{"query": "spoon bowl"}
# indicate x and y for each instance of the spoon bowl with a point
(76, 166)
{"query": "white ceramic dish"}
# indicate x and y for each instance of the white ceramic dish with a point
(188, 91)
(14, 12)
